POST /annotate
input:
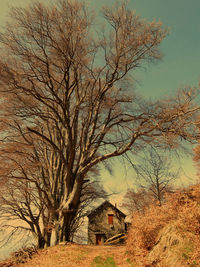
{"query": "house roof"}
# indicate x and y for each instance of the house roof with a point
(102, 206)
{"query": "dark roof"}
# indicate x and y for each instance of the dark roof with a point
(101, 207)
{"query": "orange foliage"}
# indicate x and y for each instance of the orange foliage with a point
(182, 208)
(197, 157)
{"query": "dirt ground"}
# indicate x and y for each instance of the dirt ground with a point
(80, 255)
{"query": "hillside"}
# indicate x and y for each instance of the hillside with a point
(78, 255)
(168, 235)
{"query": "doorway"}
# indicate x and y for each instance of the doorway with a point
(99, 239)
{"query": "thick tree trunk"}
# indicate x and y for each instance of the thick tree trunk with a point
(67, 212)
(40, 236)
(68, 219)
(40, 241)
(47, 238)
(64, 227)
(56, 232)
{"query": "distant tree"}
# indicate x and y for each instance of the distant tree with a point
(70, 90)
(154, 177)
(136, 200)
(155, 173)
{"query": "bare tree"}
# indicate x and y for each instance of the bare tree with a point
(136, 200)
(155, 173)
(196, 159)
(21, 213)
(23, 206)
(22, 197)
(69, 89)
(154, 177)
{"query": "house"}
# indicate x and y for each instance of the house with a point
(104, 222)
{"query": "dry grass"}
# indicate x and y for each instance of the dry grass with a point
(171, 233)
(79, 255)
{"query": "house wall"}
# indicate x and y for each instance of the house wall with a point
(98, 224)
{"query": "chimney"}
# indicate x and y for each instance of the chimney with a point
(115, 205)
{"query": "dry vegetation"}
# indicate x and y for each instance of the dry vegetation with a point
(78, 255)
(168, 235)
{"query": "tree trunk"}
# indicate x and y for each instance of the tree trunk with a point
(57, 226)
(47, 238)
(64, 229)
(68, 211)
(40, 241)
(65, 225)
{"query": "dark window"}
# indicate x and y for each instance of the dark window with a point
(110, 218)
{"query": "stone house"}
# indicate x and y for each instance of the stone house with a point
(104, 222)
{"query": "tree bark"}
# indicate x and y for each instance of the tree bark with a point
(40, 242)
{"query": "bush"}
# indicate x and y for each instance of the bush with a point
(19, 256)
(183, 208)
(23, 254)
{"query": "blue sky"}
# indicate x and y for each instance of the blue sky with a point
(181, 61)
(179, 67)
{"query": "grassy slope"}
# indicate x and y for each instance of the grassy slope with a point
(80, 255)
(168, 235)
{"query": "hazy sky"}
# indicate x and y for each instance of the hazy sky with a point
(180, 65)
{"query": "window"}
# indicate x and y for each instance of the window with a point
(110, 218)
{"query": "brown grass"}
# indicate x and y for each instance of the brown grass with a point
(77, 255)
(171, 231)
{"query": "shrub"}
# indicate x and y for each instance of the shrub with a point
(19, 256)
(183, 208)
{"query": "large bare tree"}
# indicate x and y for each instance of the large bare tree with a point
(68, 86)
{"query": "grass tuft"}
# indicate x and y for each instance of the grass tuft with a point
(101, 262)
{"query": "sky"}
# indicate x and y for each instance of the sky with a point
(179, 67)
